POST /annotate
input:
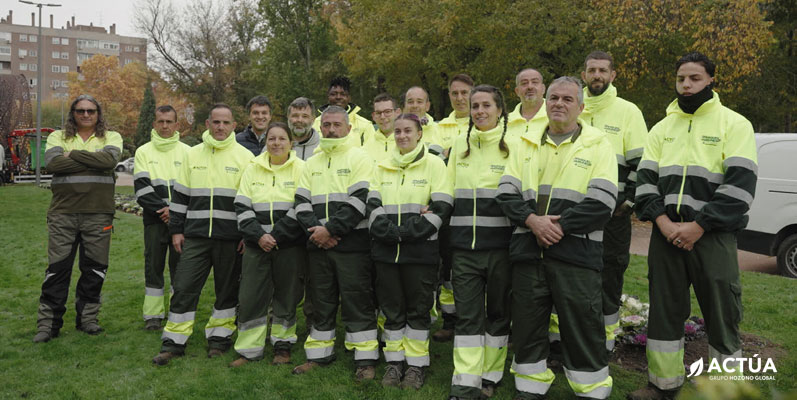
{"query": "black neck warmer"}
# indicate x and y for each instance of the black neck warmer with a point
(690, 104)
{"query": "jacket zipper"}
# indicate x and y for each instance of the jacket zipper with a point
(210, 180)
(398, 246)
(326, 195)
(683, 178)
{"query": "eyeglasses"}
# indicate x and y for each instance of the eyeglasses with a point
(384, 112)
(89, 111)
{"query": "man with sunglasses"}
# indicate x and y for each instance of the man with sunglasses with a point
(82, 158)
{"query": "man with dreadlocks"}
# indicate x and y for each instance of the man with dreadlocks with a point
(479, 241)
(362, 130)
(559, 190)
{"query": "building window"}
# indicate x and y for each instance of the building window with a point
(128, 61)
(23, 67)
(56, 54)
(5, 50)
(32, 82)
(137, 49)
(64, 69)
(56, 68)
(56, 40)
(33, 67)
(33, 38)
(33, 95)
(33, 53)
(64, 55)
(65, 41)
(109, 46)
(5, 36)
(56, 84)
(64, 83)
(23, 53)
(128, 48)
(23, 38)
(86, 44)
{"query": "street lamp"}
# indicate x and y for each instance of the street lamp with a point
(39, 90)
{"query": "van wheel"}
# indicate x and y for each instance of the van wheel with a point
(120, 168)
(787, 257)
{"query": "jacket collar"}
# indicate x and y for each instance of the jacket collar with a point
(706, 108)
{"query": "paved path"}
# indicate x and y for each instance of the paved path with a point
(124, 179)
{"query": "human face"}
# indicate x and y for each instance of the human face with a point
(220, 124)
(597, 76)
(384, 114)
(417, 102)
(483, 111)
(259, 117)
(164, 123)
(300, 120)
(334, 126)
(562, 106)
(86, 119)
(407, 135)
(691, 78)
(278, 143)
(458, 93)
(337, 96)
(529, 86)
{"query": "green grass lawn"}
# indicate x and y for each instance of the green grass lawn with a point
(116, 364)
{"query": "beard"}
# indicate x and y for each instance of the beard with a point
(597, 91)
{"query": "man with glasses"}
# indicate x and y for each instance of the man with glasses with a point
(385, 112)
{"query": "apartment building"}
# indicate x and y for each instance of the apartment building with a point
(63, 50)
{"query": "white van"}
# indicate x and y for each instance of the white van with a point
(772, 229)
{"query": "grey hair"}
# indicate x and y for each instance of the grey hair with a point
(303, 102)
(567, 79)
(517, 77)
(335, 110)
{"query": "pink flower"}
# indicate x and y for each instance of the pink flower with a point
(690, 329)
(641, 339)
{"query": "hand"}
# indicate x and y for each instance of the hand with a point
(67, 153)
(267, 242)
(332, 242)
(164, 214)
(686, 235)
(241, 247)
(177, 241)
(321, 237)
(623, 210)
(546, 228)
(666, 226)
(425, 210)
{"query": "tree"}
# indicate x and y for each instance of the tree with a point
(146, 117)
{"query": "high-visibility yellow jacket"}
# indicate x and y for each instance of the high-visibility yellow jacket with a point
(362, 130)
(157, 164)
(449, 128)
(264, 202)
(624, 125)
(477, 222)
(332, 193)
(401, 234)
(202, 201)
(380, 147)
(579, 179)
(517, 124)
(699, 167)
(435, 141)
(85, 181)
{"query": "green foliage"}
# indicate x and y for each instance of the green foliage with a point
(146, 117)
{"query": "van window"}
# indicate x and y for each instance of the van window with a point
(776, 160)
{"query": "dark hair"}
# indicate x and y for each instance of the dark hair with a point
(280, 125)
(411, 117)
(71, 125)
(217, 106)
(341, 81)
(600, 55)
(498, 98)
(464, 78)
(385, 97)
(260, 100)
(698, 58)
(166, 108)
(302, 102)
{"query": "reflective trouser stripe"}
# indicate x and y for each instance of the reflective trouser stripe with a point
(447, 298)
(153, 305)
(251, 341)
(494, 357)
(364, 344)
(665, 363)
(221, 323)
(533, 378)
(319, 344)
(416, 347)
(283, 332)
(553, 326)
(179, 327)
(595, 384)
(394, 349)
(468, 360)
(611, 324)
(714, 354)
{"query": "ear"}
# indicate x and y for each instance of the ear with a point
(584, 77)
(614, 75)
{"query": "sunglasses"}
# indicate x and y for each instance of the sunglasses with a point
(89, 111)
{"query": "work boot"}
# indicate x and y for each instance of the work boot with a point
(213, 353)
(241, 361)
(281, 356)
(392, 374)
(651, 392)
(86, 320)
(413, 378)
(304, 368)
(45, 336)
(488, 389)
(91, 327)
(443, 335)
(153, 324)
(364, 373)
(164, 357)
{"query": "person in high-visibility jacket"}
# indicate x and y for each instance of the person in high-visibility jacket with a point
(362, 130)
(385, 112)
(448, 129)
(416, 101)
(157, 164)
(204, 230)
(275, 251)
(82, 158)
(529, 115)
(481, 271)
(330, 205)
(409, 200)
(559, 190)
(696, 181)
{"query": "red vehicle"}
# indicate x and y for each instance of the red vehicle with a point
(21, 145)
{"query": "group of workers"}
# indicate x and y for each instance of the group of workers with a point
(514, 223)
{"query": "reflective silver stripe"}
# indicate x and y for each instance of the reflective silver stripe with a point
(218, 331)
(666, 383)
(225, 192)
(587, 378)
(596, 236)
(736, 193)
(230, 215)
(159, 182)
(632, 176)
(318, 199)
(647, 189)
(529, 194)
(303, 192)
(226, 313)
(273, 339)
(360, 337)
(665, 346)
(52, 153)
(448, 308)
(416, 334)
(610, 344)
(274, 205)
(99, 273)
(175, 337)
(631, 154)
(144, 191)
(357, 204)
(375, 213)
(323, 221)
(448, 285)
(304, 207)
(601, 195)
(286, 324)
(649, 164)
(686, 199)
(373, 194)
(505, 188)
(713, 177)
(487, 222)
(251, 353)
(620, 186)
(421, 361)
(366, 355)
(554, 336)
(468, 341)
(198, 192)
(567, 194)
(480, 193)
(177, 207)
(604, 184)
(267, 228)
(394, 356)
(198, 214)
(467, 380)
(411, 208)
(243, 200)
(544, 190)
(322, 335)
(716, 354)
(291, 213)
(611, 319)
(246, 215)
(600, 392)
(677, 170)
(390, 208)
(531, 386)
(58, 180)
(245, 326)
(113, 150)
(510, 180)
(184, 317)
(521, 231)
(433, 237)
(357, 186)
(740, 162)
(621, 160)
(392, 335)
(178, 187)
(141, 175)
(538, 367)
(153, 292)
(363, 224)
(493, 376)
(433, 219)
(495, 341)
(318, 353)
(444, 197)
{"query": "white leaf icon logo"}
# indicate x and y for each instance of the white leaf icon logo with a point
(696, 368)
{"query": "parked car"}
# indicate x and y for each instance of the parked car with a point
(125, 165)
(772, 229)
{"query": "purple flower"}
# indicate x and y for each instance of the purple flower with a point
(690, 329)
(641, 339)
